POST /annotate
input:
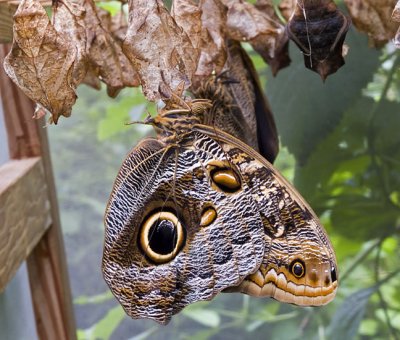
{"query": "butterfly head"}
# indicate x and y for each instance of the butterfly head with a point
(173, 122)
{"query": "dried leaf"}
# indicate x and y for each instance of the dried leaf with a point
(373, 17)
(287, 8)
(39, 112)
(396, 12)
(160, 50)
(318, 28)
(106, 55)
(396, 17)
(68, 20)
(261, 27)
(104, 17)
(207, 35)
(92, 76)
(187, 15)
(119, 26)
(280, 58)
(212, 41)
(41, 61)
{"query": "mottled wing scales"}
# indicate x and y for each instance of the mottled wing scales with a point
(213, 257)
(292, 233)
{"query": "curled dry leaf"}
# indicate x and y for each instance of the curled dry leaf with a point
(396, 12)
(396, 17)
(212, 41)
(373, 18)
(187, 14)
(260, 26)
(69, 20)
(280, 56)
(204, 23)
(287, 8)
(105, 54)
(41, 61)
(160, 50)
(318, 28)
(116, 24)
(119, 26)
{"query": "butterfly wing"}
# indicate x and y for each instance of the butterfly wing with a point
(251, 100)
(299, 264)
(240, 107)
(183, 196)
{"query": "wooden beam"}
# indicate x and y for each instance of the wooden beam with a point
(6, 22)
(47, 267)
(24, 213)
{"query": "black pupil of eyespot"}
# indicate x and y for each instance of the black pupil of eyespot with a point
(298, 269)
(162, 237)
(333, 274)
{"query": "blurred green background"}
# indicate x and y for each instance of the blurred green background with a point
(340, 146)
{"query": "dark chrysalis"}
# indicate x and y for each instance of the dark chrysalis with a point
(318, 28)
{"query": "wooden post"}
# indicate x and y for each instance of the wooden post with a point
(47, 268)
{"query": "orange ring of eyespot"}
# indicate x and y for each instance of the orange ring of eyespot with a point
(303, 269)
(144, 236)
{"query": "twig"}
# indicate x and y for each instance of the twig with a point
(360, 259)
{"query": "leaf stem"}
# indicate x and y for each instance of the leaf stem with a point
(360, 259)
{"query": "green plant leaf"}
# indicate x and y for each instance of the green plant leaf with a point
(347, 319)
(205, 317)
(105, 327)
(99, 298)
(307, 110)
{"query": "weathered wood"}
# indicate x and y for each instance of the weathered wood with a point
(6, 22)
(47, 268)
(24, 213)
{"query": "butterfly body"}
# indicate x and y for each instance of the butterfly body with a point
(196, 212)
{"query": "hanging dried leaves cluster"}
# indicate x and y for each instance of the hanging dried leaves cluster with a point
(80, 44)
(374, 18)
(155, 47)
(396, 18)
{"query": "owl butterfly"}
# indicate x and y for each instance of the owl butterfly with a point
(239, 105)
(196, 211)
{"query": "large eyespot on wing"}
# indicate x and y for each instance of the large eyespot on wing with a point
(299, 264)
(159, 195)
(124, 266)
(161, 236)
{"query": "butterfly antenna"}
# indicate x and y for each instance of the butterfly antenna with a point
(149, 120)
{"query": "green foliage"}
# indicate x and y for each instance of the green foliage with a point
(302, 100)
(340, 145)
(111, 6)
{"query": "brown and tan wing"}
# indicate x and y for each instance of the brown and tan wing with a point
(299, 264)
(240, 107)
(251, 100)
(179, 228)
